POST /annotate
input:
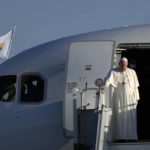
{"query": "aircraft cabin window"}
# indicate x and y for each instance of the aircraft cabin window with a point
(32, 88)
(7, 88)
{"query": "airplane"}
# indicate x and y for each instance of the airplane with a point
(50, 96)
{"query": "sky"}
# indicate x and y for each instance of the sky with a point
(40, 21)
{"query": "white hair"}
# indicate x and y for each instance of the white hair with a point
(124, 59)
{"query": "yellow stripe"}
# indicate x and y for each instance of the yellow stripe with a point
(1, 45)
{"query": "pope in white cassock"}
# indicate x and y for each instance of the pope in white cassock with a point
(125, 99)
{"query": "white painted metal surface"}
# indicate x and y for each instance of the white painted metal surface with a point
(87, 62)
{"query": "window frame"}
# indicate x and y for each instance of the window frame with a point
(16, 82)
(19, 88)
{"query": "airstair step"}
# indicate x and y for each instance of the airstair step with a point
(130, 146)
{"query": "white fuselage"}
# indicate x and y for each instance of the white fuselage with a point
(49, 123)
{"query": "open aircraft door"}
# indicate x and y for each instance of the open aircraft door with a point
(87, 62)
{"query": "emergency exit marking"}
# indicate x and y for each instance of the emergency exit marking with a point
(88, 67)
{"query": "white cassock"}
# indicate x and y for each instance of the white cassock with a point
(125, 97)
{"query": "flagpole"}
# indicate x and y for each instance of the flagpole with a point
(12, 35)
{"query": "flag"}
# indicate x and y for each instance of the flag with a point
(5, 44)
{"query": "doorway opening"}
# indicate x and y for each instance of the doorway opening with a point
(138, 55)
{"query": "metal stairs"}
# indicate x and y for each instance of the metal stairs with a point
(139, 145)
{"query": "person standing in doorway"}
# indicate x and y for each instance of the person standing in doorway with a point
(125, 98)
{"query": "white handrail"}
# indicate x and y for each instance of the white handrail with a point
(103, 123)
(101, 100)
(99, 142)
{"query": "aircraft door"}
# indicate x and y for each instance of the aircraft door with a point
(87, 62)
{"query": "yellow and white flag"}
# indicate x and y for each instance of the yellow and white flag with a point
(5, 44)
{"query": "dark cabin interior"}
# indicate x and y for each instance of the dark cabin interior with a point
(139, 60)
